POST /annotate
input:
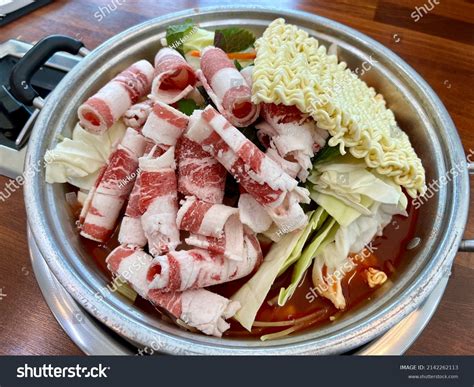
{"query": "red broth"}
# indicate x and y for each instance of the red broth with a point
(387, 255)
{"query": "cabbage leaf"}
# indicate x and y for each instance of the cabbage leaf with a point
(304, 261)
(347, 189)
(281, 256)
(197, 39)
(315, 220)
(187, 36)
(252, 294)
(77, 160)
(337, 209)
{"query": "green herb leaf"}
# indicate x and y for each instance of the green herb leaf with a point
(233, 39)
(326, 154)
(175, 34)
(187, 106)
(237, 65)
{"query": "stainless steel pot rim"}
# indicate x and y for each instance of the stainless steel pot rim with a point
(127, 325)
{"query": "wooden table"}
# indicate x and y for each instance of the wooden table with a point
(439, 46)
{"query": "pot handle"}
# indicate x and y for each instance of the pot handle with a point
(37, 56)
(467, 245)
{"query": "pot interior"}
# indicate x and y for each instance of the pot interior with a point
(415, 113)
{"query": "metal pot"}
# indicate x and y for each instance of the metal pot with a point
(419, 112)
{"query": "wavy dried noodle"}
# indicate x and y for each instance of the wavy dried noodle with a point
(291, 68)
